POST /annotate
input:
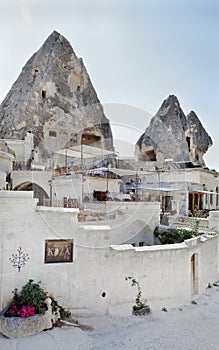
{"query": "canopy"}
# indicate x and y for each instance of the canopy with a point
(84, 151)
(162, 189)
(202, 191)
(126, 172)
(97, 171)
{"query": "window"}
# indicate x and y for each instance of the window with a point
(188, 142)
(88, 139)
(151, 156)
(43, 93)
(217, 199)
(52, 133)
(167, 203)
(141, 244)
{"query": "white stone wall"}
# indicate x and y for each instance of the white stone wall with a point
(40, 178)
(6, 160)
(135, 221)
(76, 186)
(101, 184)
(214, 220)
(99, 264)
(67, 186)
(2, 179)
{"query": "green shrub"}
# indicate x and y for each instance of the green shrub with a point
(31, 294)
(172, 236)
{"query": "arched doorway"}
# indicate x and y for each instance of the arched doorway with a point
(194, 274)
(38, 191)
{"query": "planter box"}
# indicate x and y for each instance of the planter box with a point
(18, 327)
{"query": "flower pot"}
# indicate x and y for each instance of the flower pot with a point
(142, 311)
(18, 327)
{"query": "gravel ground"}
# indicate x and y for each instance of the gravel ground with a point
(193, 326)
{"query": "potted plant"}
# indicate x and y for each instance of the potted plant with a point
(140, 307)
(31, 311)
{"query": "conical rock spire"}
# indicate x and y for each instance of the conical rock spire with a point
(53, 93)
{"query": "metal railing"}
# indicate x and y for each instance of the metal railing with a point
(65, 202)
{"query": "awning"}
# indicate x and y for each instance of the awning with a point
(119, 172)
(84, 151)
(202, 191)
(127, 172)
(162, 189)
(97, 171)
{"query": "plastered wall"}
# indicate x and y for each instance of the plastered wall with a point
(94, 283)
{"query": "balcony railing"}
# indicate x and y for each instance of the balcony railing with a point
(65, 202)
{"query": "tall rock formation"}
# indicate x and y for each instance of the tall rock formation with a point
(54, 99)
(172, 135)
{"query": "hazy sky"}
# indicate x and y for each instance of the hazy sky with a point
(137, 52)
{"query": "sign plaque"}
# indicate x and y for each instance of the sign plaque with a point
(58, 251)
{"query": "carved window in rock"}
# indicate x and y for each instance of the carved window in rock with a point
(150, 156)
(188, 140)
(89, 139)
(35, 72)
(52, 133)
(43, 93)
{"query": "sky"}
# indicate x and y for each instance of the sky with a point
(137, 53)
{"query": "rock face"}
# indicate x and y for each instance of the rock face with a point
(172, 135)
(54, 99)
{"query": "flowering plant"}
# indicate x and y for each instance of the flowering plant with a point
(20, 311)
(30, 301)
